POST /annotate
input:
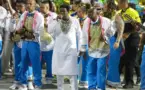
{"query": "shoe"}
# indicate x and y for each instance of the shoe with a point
(126, 86)
(138, 81)
(66, 80)
(23, 87)
(48, 80)
(123, 82)
(37, 88)
(83, 84)
(30, 85)
(14, 86)
(54, 79)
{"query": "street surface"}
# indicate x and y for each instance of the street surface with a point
(7, 81)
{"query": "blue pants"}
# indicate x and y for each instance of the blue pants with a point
(84, 77)
(97, 73)
(47, 57)
(31, 50)
(17, 56)
(113, 63)
(0, 57)
(143, 70)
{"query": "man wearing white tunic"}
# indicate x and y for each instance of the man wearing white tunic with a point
(64, 61)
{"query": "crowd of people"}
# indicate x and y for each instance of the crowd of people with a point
(89, 42)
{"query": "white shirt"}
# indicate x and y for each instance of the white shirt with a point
(9, 22)
(44, 45)
(3, 15)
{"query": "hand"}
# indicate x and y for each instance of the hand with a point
(116, 45)
(16, 38)
(126, 35)
(84, 54)
(7, 0)
(29, 35)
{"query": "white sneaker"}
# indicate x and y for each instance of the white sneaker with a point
(30, 85)
(83, 84)
(14, 86)
(37, 88)
(48, 80)
(23, 87)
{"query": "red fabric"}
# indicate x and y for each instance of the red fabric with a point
(123, 52)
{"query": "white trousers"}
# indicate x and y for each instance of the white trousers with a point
(73, 82)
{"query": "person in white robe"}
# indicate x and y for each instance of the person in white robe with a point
(65, 54)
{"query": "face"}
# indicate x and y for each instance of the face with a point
(31, 5)
(44, 8)
(80, 13)
(105, 7)
(121, 4)
(20, 7)
(92, 14)
(63, 13)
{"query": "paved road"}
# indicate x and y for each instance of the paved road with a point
(7, 81)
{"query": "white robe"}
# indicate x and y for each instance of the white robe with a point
(64, 61)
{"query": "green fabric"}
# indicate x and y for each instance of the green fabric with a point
(96, 34)
(102, 1)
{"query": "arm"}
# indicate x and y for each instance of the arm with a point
(10, 7)
(120, 28)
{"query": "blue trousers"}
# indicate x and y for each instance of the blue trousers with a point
(143, 70)
(17, 56)
(83, 76)
(84, 63)
(113, 63)
(31, 50)
(0, 57)
(47, 57)
(97, 73)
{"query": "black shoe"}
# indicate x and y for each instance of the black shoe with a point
(138, 80)
(126, 86)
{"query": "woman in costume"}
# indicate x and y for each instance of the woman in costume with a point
(113, 78)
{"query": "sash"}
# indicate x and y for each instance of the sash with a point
(34, 19)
